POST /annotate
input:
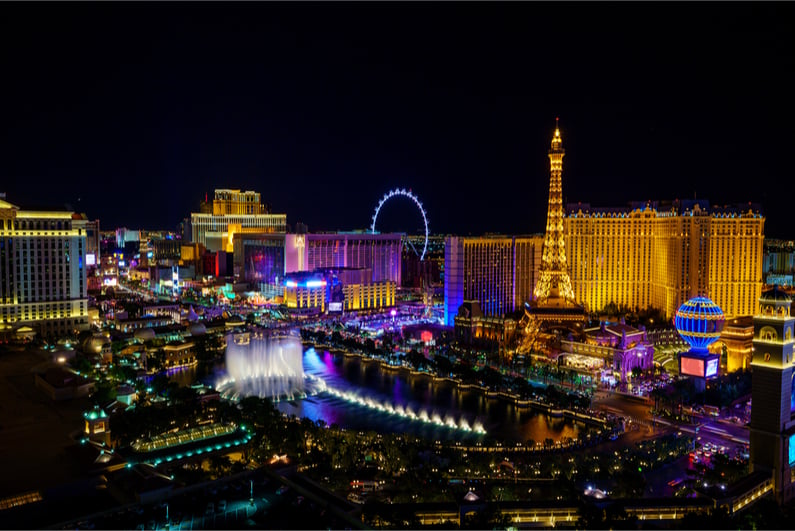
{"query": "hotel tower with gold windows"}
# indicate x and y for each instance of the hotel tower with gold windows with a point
(660, 255)
(42, 272)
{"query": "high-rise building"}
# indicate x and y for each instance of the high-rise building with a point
(42, 270)
(779, 262)
(380, 253)
(652, 254)
(233, 211)
(259, 259)
(497, 271)
(772, 427)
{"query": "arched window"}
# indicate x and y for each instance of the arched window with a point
(788, 334)
(768, 333)
(767, 356)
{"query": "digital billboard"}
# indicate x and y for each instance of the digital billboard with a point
(712, 368)
(91, 259)
(792, 449)
(335, 307)
(692, 366)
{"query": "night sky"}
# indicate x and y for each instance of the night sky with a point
(132, 112)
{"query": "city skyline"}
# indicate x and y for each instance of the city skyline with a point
(324, 108)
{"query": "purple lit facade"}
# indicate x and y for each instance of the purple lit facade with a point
(381, 253)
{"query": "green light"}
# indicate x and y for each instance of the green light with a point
(640, 469)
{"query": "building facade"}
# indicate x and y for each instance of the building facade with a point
(380, 253)
(233, 211)
(42, 271)
(657, 255)
(618, 345)
(779, 262)
(497, 271)
(259, 259)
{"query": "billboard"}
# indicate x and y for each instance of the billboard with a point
(692, 366)
(792, 449)
(91, 259)
(335, 307)
(712, 368)
(699, 365)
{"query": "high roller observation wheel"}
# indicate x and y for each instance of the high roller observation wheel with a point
(405, 193)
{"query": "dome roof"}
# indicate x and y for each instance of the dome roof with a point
(144, 334)
(699, 321)
(775, 294)
(97, 342)
(197, 329)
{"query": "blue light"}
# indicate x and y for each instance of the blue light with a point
(699, 321)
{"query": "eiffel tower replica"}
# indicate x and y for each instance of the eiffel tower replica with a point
(553, 309)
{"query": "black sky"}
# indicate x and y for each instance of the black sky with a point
(130, 112)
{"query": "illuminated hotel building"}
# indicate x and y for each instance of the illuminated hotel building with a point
(42, 271)
(233, 211)
(259, 259)
(497, 271)
(310, 290)
(656, 255)
(379, 252)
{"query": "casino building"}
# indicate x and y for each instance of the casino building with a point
(659, 254)
(232, 211)
(380, 253)
(497, 271)
(43, 286)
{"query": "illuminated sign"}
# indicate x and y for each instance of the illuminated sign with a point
(692, 366)
(335, 307)
(712, 368)
(699, 365)
(121, 263)
(91, 259)
(307, 284)
(792, 449)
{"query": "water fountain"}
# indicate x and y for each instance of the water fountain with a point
(268, 367)
(406, 413)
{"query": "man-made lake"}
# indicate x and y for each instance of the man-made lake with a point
(349, 378)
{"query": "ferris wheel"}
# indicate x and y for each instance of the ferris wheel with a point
(405, 193)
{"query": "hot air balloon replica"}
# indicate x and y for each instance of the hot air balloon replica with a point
(699, 322)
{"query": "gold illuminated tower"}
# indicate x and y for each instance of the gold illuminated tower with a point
(554, 281)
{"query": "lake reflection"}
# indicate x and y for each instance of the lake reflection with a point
(402, 390)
